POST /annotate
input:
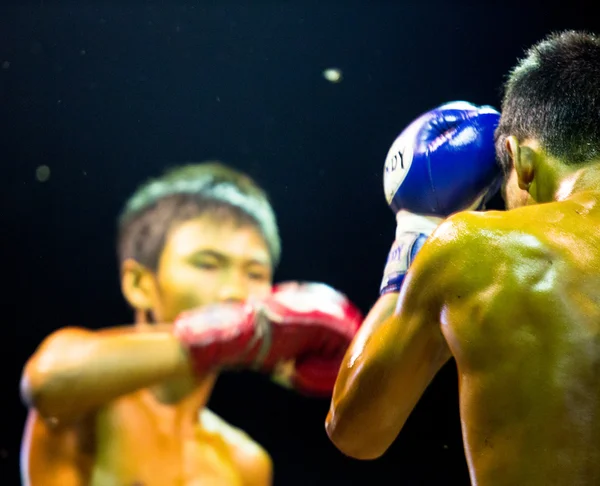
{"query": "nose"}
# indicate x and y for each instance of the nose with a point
(234, 287)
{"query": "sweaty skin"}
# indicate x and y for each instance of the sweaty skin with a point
(121, 406)
(514, 297)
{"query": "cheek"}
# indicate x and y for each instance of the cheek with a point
(259, 290)
(186, 288)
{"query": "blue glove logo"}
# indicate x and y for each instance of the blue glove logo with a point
(397, 162)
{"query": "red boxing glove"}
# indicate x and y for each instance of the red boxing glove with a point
(309, 323)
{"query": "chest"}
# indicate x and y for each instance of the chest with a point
(142, 446)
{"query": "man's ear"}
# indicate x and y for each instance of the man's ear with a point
(137, 285)
(523, 161)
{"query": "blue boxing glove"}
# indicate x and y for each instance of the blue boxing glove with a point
(442, 163)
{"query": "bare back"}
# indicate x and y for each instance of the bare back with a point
(527, 346)
(136, 441)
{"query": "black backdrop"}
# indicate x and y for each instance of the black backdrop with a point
(106, 95)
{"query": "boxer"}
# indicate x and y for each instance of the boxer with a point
(127, 405)
(442, 163)
(513, 297)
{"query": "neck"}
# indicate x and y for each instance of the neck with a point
(178, 404)
(185, 389)
(577, 181)
(187, 392)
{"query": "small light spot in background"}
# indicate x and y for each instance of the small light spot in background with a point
(333, 75)
(5, 64)
(42, 173)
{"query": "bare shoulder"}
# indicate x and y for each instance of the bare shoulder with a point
(252, 459)
(471, 249)
(460, 241)
(490, 231)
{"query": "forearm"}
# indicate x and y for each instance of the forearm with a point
(359, 421)
(343, 419)
(77, 371)
(380, 385)
(382, 310)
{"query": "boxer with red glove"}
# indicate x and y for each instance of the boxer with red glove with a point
(198, 247)
(442, 163)
(309, 323)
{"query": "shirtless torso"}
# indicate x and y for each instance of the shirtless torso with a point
(514, 297)
(526, 340)
(138, 441)
(103, 428)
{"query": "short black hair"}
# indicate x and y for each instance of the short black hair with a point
(187, 192)
(553, 95)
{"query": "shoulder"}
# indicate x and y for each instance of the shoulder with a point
(497, 233)
(451, 245)
(466, 227)
(485, 232)
(474, 250)
(253, 460)
(468, 248)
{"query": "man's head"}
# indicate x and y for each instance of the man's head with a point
(201, 233)
(550, 123)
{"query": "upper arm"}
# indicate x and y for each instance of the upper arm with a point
(389, 365)
(57, 456)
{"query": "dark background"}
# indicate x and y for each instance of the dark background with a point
(108, 95)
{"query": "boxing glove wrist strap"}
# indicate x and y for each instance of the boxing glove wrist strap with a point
(411, 232)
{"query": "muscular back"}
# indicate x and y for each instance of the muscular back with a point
(524, 328)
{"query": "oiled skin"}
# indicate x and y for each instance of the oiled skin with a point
(121, 405)
(109, 425)
(514, 297)
(133, 442)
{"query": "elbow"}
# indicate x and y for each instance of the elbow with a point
(37, 393)
(348, 441)
(27, 391)
(44, 384)
(47, 375)
(36, 388)
(43, 392)
(34, 383)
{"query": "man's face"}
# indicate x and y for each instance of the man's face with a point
(205, 262)
(514, 196)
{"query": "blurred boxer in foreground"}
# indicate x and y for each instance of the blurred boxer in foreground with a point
(127, 405)
(513, 296)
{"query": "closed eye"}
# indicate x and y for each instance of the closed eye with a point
(206, 265)
(258, 275)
